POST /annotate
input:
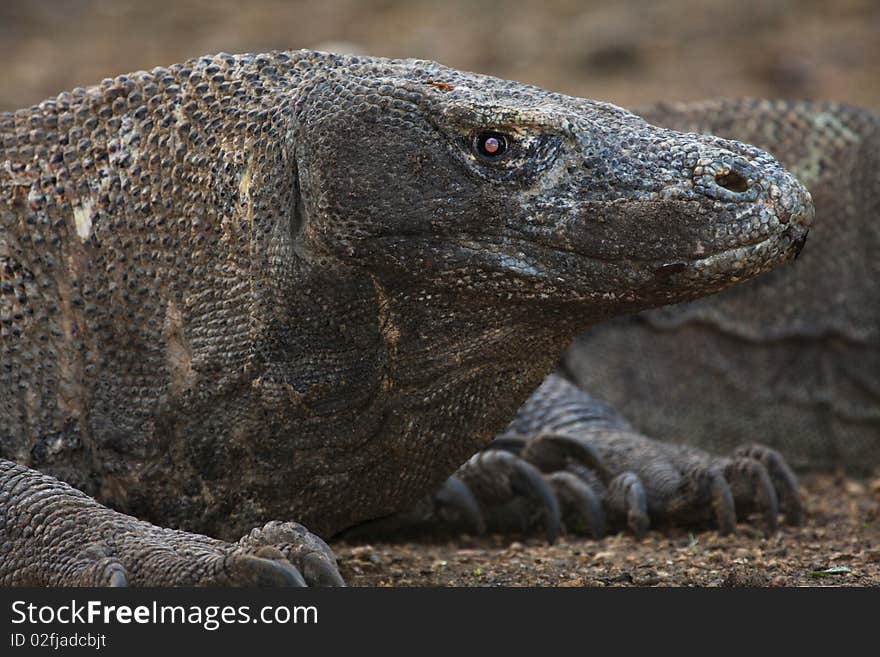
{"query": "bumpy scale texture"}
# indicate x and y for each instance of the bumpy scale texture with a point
(295, 286)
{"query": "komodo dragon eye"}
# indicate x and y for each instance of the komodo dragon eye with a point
(490, 145)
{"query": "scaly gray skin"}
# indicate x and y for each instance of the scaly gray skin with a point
(790, 360)
(291, 286)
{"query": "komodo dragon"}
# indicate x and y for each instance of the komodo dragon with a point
(300, 286)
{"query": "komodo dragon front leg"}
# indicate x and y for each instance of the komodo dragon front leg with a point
(54, 535)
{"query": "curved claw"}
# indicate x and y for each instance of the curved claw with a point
(626, 492)
(549, 451)
(761, 491)
(268, 570)
(722, 502)
(576, 494)
(455, 494)
(115, 575)
(318, 571)
(100, 569)
(783, 479)
(526, 480)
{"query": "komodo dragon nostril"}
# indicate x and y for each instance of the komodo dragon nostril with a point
(731, 180)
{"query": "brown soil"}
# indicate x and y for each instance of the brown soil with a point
(838, 546)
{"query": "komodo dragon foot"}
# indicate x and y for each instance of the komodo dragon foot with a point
(603, 472)
(570, 460)
(54, 535)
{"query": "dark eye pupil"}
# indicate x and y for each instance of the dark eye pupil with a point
(491, 144)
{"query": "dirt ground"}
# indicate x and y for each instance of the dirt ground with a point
(838, 546)
(629, 52)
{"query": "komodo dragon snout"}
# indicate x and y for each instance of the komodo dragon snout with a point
(468, 183)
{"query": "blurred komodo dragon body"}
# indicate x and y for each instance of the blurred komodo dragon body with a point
(303, 286)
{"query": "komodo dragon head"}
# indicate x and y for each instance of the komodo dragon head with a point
(484, 187)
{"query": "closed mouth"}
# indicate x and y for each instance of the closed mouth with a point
(743, 255)
(515, 254)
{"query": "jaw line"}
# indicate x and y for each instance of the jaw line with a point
(523, 258)
(528, 262)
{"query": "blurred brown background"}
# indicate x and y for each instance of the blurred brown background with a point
(628, 51)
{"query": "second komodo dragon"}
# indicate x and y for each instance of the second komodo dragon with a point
(299, 286)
